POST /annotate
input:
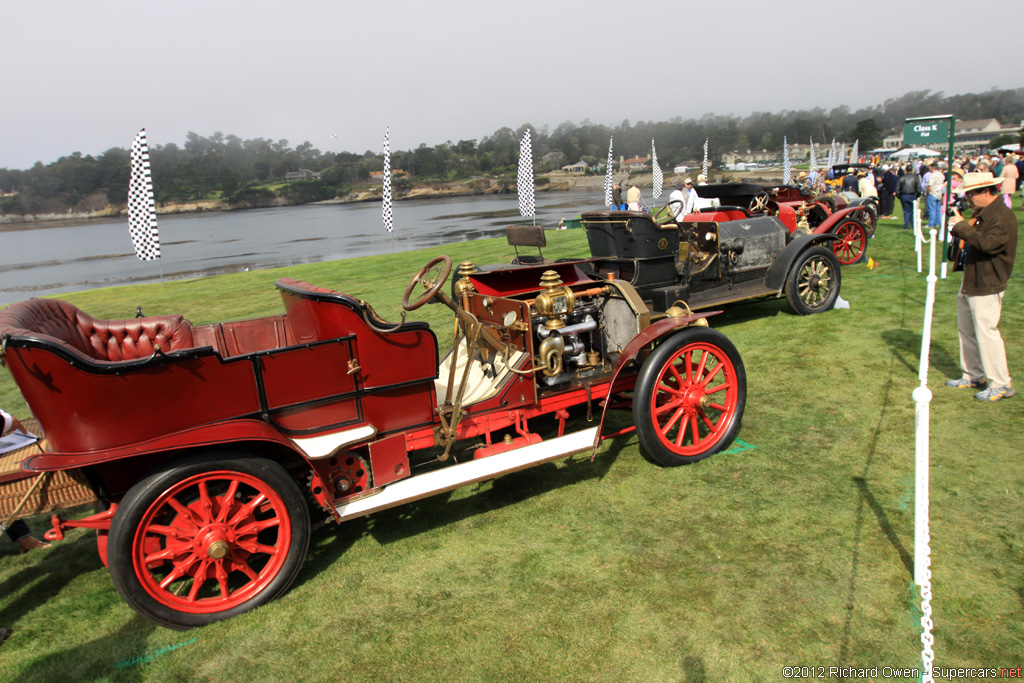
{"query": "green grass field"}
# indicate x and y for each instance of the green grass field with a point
(793, 548)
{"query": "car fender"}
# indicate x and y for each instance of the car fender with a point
(232, 431)
(652, 332)
(775, 278)
(829, 224)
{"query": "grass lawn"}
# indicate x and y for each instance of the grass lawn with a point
(793, 548)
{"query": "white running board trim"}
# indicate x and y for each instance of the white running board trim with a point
(456, 476)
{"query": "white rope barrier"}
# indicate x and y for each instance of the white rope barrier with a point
(922, 398)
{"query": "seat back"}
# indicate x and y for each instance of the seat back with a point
(64, 324)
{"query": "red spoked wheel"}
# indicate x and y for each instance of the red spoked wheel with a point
(851, 241)
(208, 539)
(689, 397)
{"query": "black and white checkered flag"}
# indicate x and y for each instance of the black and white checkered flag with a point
(524, 181)
(608, 175)
(814, 157)
(855, 152)
(141, 205)
(389, 222)
(659, 179)
(832, 154)
(704, 166)
(787, 170)
(842, 153)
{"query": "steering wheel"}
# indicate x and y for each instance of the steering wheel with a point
(439, 275)
(675, 212)
(759, 203)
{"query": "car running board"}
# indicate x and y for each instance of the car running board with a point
(457, 476)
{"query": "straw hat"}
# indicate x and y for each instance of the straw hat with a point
(977, 181)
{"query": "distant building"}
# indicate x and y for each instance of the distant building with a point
(395, 173)
(302, 174)
(969, 135)
(634, 164)
(580, 167)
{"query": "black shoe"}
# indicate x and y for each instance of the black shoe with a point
(4, 632)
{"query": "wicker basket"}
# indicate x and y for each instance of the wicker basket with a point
(61, 490)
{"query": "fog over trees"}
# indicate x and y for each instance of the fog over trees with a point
(250, 171)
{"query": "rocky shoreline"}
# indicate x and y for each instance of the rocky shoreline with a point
(476, 186)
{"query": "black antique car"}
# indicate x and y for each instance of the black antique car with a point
(725, 254)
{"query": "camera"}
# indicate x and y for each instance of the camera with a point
(961, 205)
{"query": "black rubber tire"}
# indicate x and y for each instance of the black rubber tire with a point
(828, 201)
(814, 281)
(655, 394)
(133, 514)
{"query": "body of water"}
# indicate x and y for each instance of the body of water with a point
(65, 257)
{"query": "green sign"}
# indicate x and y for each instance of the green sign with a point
(925, 131)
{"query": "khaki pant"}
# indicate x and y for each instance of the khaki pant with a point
(982, 353)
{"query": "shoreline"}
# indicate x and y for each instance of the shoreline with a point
(466, 188)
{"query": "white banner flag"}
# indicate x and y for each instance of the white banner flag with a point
(608, 175)
(141, 204)
(524, 181)
(787, 170)
(659, 179)
(386, 214)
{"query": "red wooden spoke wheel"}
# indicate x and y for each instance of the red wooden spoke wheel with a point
(208, 539)
(852, 240)
(689, 397)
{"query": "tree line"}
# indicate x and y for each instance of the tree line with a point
(249, 172)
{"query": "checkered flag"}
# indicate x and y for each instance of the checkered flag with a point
(524, 181)
(842, 153)
(389, 221)
(832, 154)
(814, 157)
(854, 153)
(608, 175)
(659, 179)
(141, 205)
(787, 170)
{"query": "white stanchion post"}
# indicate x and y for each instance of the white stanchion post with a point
(918, 234)
(922, 539)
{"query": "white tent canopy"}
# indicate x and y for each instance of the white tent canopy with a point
(916, 152)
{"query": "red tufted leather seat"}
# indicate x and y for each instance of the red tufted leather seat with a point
(104, 340)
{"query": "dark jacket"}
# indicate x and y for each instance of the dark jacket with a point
(909, 183)
(993, 240)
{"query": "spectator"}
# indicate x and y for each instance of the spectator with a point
(19, 531)
(991, 238)
(633, 197)
(887, 192)
(1010, 176)
(850, 183)
(908, 189)
(866, 186)
(936, 187)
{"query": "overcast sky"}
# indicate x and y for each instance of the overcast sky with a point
(85, 76)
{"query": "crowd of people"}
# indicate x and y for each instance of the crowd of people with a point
(927, 178)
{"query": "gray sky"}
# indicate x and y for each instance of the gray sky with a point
(85, 76)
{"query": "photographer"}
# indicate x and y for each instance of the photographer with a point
(991, 238)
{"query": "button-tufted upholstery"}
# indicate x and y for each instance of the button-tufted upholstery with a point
(104, 340)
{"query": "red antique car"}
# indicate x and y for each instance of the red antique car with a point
(201, 440)
(796, 211)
